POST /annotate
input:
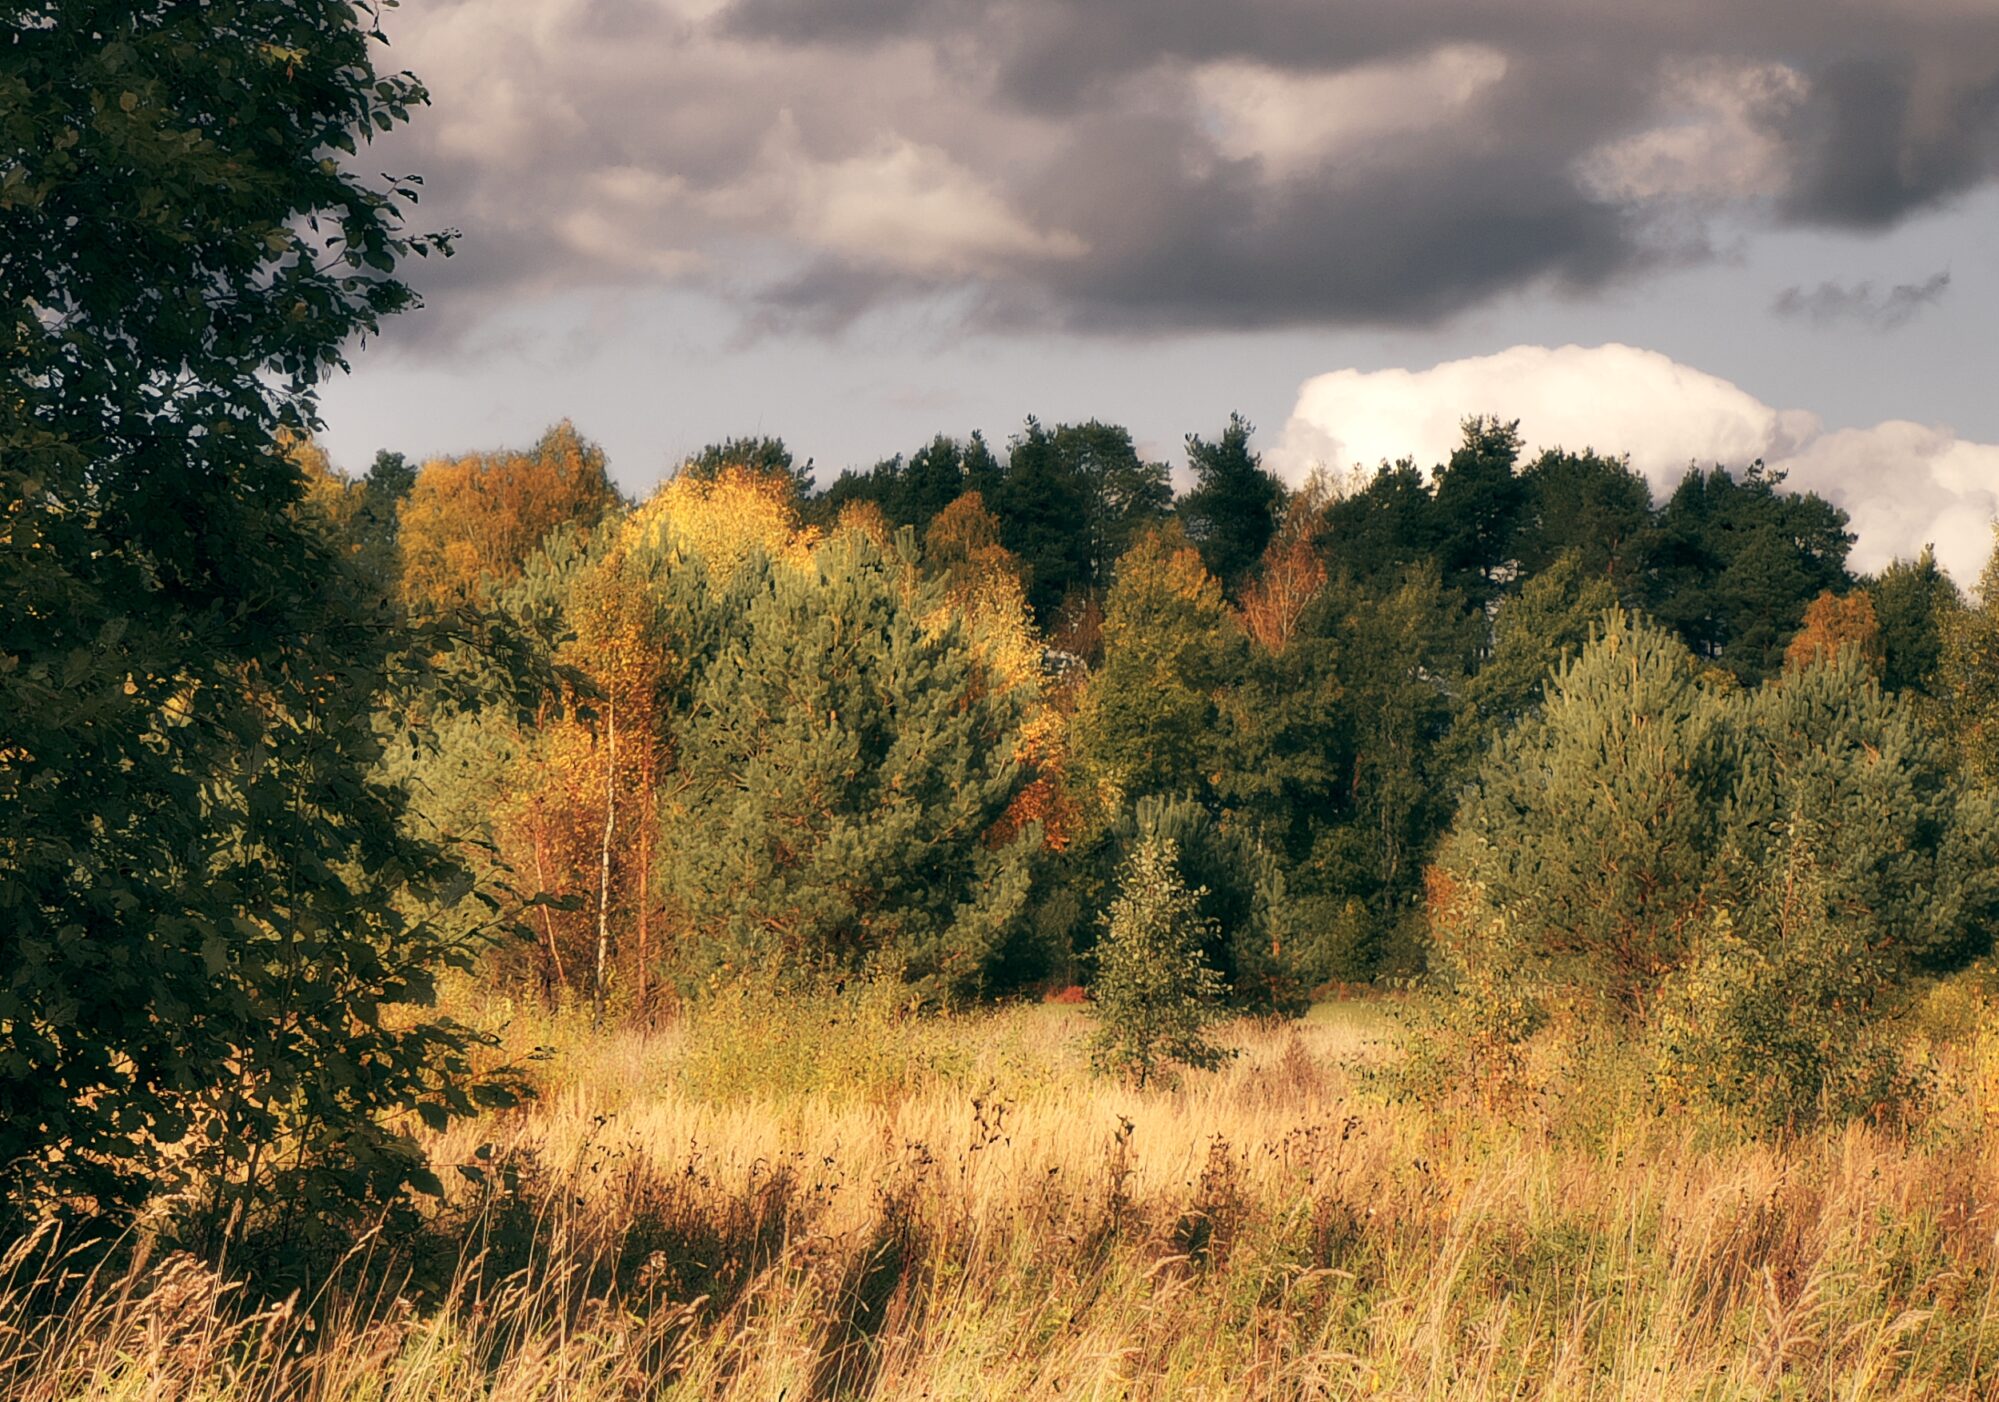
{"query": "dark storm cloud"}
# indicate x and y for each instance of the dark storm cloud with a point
(1862, 303)
(1138, 164)
(1876, 139)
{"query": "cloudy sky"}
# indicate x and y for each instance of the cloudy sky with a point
(1686, 229)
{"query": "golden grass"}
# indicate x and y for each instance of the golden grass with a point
(994, 1223)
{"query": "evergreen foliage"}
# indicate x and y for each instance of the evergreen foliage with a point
(1594, 507)
(1610, 827)
(1154, 995)
(766, 457)
(840, 769)
(1914, 603)
(1147, 723)
(1733, 562)
(1071, 502)
(1592, 832)
(1477, 503)
(1774, 1018)
(1235, 505)
(1969, 669)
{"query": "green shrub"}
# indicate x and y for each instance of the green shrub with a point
(1773, 1020)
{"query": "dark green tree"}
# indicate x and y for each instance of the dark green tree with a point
(1914, 603)
(1734, 560)
(1234, 507)
(215, 934)
(1241, 902)
(1535, 630)
(839, 773)
(757, 453)
(1476, 504)
(1375, 534)
(1071, 502)
(1594, 507)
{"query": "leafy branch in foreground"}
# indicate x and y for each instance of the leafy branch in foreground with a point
(214, 924)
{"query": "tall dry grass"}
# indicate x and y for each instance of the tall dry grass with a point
(978, 1218)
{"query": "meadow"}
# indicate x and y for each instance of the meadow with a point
(829, 1198)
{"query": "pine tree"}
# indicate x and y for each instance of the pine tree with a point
(1477, 505)
(1593, 828)
(1234, 507)
(1608, 828)
(1549, 620)
(839, 774)
(1594, 506)
(1154, 996)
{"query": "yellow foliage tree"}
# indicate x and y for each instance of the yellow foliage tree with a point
(725, 517)
(472, 522)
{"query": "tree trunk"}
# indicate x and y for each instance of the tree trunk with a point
(604, 864)
(558, 982)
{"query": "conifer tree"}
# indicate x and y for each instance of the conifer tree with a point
(1593, 827)
(839, 774)
(1235, 505)
(1914, 602)
(1154, 996)
(1548, 620)
(1477, 504)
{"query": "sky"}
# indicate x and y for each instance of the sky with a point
(1697, 231)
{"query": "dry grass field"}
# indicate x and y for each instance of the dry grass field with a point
(829, 1200)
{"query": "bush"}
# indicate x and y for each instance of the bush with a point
(1772, 1021)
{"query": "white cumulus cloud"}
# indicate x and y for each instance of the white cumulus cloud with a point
(1903, 484)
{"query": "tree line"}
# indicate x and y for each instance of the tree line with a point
(925, 714)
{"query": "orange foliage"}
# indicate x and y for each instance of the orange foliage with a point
(481, 516)
(724, 518)
(1290, 577)
(868, 519)
(1831, 623)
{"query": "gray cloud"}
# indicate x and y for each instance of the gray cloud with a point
(1141, 164)
(1862, 302)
